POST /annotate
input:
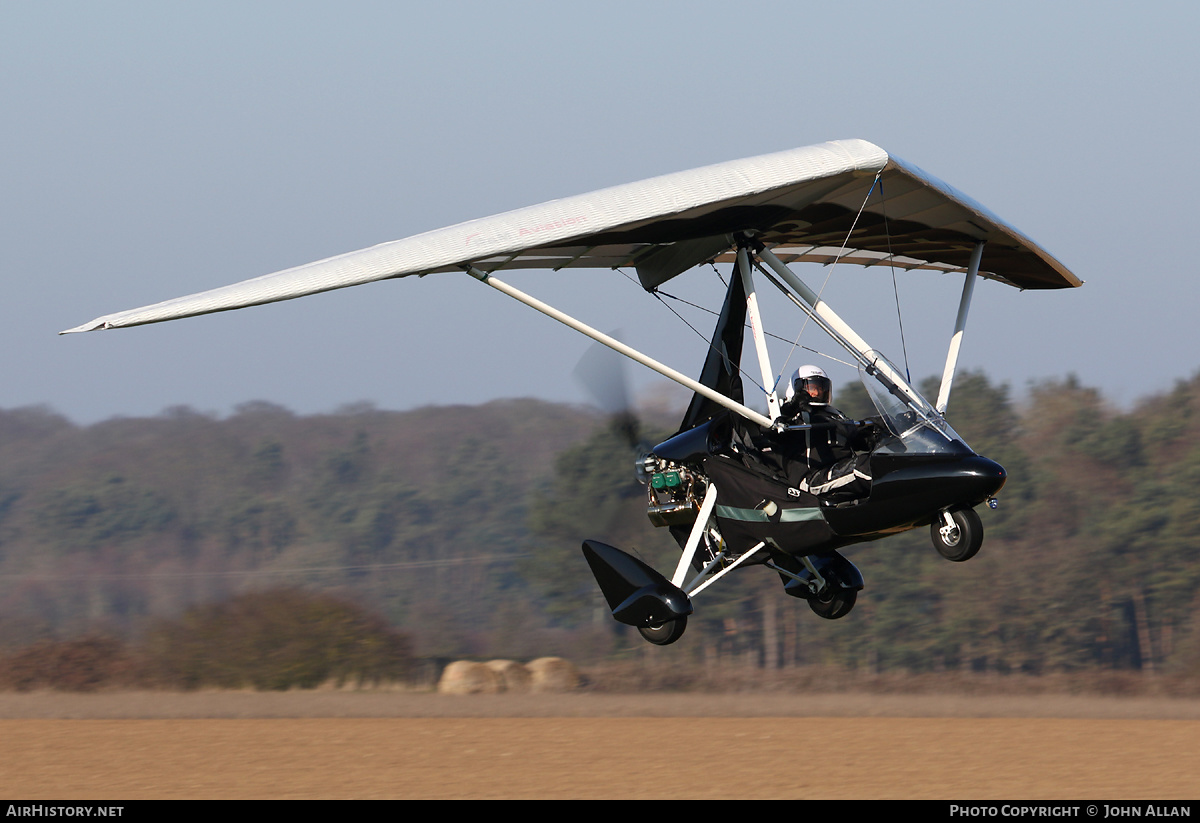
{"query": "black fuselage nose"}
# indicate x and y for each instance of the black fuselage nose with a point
(907, 490)
(978, 478)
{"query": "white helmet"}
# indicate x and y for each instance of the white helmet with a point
(812, 385)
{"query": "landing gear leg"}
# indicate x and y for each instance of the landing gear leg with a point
(830, 583)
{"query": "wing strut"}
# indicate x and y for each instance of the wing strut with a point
(960, 325)
(693, 541)
(619, 347)
(756, 327)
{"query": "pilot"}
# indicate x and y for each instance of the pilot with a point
(834, 454)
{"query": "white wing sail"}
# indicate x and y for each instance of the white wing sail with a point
(803, 203)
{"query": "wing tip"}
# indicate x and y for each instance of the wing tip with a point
(92, 326)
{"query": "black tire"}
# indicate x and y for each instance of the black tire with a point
(664, 634)
(833, 603)
(963, 541)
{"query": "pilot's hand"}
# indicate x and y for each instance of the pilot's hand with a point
(790, 408)
(865, 436)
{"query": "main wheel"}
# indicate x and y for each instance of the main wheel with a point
(664, 634)
(833, 603)
(958, 541)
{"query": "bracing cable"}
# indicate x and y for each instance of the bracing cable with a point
(842, 253)
(895, 288)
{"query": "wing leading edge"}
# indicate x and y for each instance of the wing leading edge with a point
(802, 202)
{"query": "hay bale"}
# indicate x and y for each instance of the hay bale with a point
(515, 676)
(553, 674)
(469, 677)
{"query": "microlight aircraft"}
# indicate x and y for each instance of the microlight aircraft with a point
(725, 503)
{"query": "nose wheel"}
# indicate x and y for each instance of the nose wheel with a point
(957, 534)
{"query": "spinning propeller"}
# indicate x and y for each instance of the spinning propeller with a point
(603, 373)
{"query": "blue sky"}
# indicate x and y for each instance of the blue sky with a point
(150, 150)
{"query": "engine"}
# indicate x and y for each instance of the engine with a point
(670, 491)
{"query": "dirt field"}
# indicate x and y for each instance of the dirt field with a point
(396, 745)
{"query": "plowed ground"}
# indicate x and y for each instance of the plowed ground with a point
(126, 747)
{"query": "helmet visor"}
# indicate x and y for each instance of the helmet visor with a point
(815, 389)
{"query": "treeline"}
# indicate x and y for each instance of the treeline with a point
(461, 526)
(420, 516)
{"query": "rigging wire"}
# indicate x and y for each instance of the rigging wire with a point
(842, 253)
(659, 295)
(701, 335)
(770, 277)
(778, 337)
(895, 288)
